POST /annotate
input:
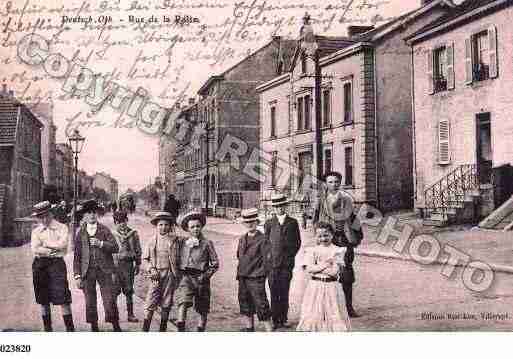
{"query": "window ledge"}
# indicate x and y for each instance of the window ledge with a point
(348, 187)
(481, 83)
(300, 132)
(347, 123)
(327, 127)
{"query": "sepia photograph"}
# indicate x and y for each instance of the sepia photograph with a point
(253, 166)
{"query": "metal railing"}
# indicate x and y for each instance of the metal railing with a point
(451, 188)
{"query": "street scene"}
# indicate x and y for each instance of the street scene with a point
(247, 167)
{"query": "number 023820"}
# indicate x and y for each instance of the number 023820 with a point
(15, 348)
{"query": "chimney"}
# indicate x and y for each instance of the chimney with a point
(11, 94)
(178, 105)
(356, 30)
(4, 90)
(191, 100)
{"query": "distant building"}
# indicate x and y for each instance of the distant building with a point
(67, 171)
(228, 106)
(104, 181)
(21, 169)
(44, 112)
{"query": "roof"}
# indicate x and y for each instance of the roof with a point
(287, 46)
(8, 120)
(465, 7)
(326, 46)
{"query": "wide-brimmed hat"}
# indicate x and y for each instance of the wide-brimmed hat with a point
(278, 200)
(41, 208)
(249, 215)
(88, 206)
(162, 216)
(184, 222)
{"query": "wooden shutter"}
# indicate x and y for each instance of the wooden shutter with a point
(492, 52)
(444, 151)
(468, 61)
(431, 84)
(449, 52)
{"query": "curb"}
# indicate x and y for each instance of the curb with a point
(497, 268)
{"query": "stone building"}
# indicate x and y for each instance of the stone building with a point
(365, 118)
(104, 181)
(21, 169)
(462, 84)
(44, 112)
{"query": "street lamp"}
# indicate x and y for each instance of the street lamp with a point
(76, 142)
(310, 48)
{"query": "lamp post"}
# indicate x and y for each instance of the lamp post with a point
(310, 48)
(76, 142)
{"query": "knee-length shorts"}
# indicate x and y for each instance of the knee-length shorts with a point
(192, 291)
(253, 298)
(50, 279)
(161, 292)
(125, 276)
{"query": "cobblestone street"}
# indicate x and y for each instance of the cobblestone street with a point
(389, 294)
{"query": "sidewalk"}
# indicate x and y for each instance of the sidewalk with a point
(492, 247)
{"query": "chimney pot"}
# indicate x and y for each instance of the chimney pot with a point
(4, 89)
(11, 94)
(191, 101)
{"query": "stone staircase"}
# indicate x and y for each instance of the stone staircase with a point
(452, 199)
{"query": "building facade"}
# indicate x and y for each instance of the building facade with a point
(44, 112)
(21, 169)
(462, 80)
(365, 114)
(67, 171)
(105, 182)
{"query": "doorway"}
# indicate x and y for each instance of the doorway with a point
(484, 147)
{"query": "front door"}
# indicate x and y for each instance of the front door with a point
(484, 147)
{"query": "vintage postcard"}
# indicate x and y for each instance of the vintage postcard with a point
(255, 166)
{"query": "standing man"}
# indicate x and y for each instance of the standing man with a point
(93, 263)
(172, 206)
(49, 243)
(336, 207)
(283, 233)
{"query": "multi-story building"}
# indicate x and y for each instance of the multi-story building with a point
(365, 113)
(67, 171)
(104, 181)
(44, 112)
(21, 169)
(462, 81)
(228, 106)
(59, 173)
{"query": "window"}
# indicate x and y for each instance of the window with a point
(274, 167)
(326, 108)
(328, 160)
(273, 121)
(444, 153)
(303, 63)
(440, 69)
(481, 56)
(307, 113)
(348, 103)
(348, 161)
(300, 122)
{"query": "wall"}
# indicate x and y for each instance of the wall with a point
(461, 105)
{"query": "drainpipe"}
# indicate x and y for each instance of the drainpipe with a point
(414, 140)
(376, 144)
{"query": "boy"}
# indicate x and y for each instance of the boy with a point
(160, 258)
(127, 260)
(49, 243)
(198, 262)
(253, 253)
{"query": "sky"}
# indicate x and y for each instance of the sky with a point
(132, 49)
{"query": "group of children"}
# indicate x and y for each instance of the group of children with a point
(179, 271)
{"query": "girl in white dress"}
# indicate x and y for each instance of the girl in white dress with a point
(323, 308)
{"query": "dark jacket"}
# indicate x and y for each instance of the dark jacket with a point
(285, 241)
(254, 255)
(129, 246)
(83, 250)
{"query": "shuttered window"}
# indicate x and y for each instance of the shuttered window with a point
(430, 75)
(449, 52)
(444, 150)
(492, 52)
(481, 62)
(273, 121)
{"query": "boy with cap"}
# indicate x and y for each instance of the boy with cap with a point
(93, 263)
(198, 261)
(159, 256)
(253, 253)
(49, 243)
(127, 260)
(285, 238)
